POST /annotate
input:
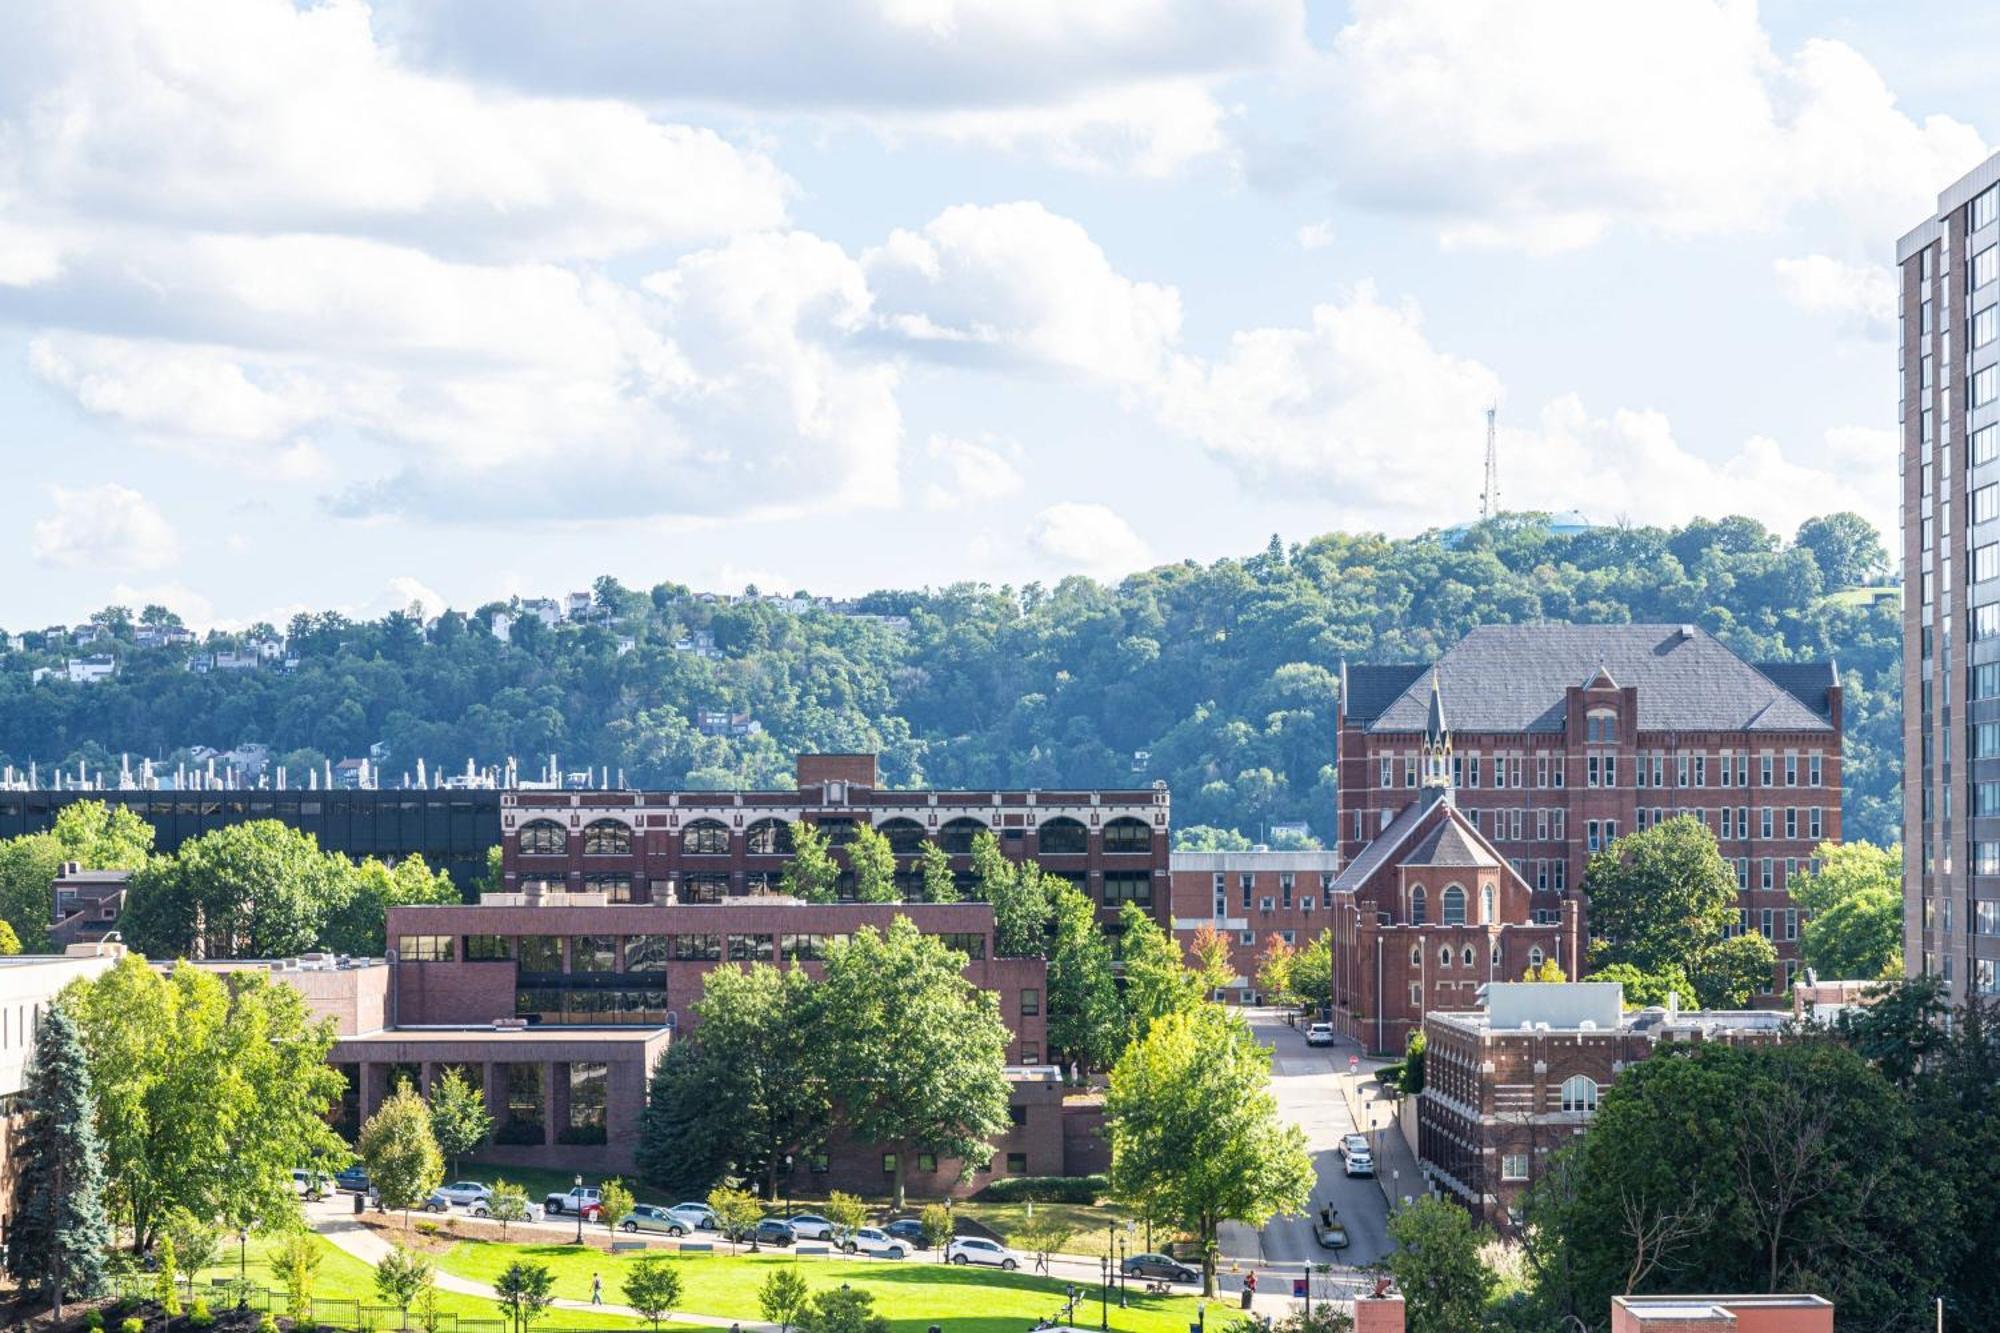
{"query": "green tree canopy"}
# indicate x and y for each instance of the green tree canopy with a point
(1196, 1139)
(812, 874)
(460, 1121)
(1438, 1267)
(1157, 982)
(917, 1052)
(873, 862)
(1086, 1022)
(255, 890)
(400, 1152)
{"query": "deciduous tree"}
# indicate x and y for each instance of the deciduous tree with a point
(652, 1287)
(254, 890)
(401, 1277)
(873, 862)
(1086, 1023)
(460, 1121)
(401, 1152)
(1659, 898)
(525, 1291)
(783, 1297)
(940, 881)
(1437, 1266)
(917, 1054)
(1196, 1138)
(614, 1202)
(812, 874)
(1157, 983)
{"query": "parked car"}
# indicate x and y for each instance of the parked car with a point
(1160, 1266)
(312, 1184)
(907, 1229)
(652, 1217)
(979, 1250)
(874, 1241)
(697, 1216)
(811, 1226)
(354, 1179)
(583, 1199)
(1356, 1157)
(1319, 1034)
(484, 1208)
(465, 1193)
(773, 1231)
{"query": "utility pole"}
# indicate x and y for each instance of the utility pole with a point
(1489, 498)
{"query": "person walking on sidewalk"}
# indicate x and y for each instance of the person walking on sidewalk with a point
(596, 1289)
(1249, 1288)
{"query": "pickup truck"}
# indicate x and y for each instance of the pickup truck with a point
(583, 1200)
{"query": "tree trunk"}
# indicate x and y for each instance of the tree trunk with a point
(902, 1169)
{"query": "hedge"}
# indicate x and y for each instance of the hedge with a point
(1045, 1189)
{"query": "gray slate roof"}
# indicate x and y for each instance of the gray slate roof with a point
(1388, 840)
(1372, 688)
(1448, 845)
(1515, 677)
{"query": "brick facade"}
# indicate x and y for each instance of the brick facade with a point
(1553, 760)
(688, 846)
(1249, 897)
(1501, 1089)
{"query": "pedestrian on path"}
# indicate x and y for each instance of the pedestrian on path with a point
(1249, 1288)
(596, 1289)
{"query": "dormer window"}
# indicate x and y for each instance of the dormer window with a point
(1600, 727)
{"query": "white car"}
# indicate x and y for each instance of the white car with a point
(465, 1193)
(1320, 1034)
(696, 1216)
(873, 1241)
(978, 1250)
(811, 1226)
(1355, 1156)
(312, 1185)
(484, 1208)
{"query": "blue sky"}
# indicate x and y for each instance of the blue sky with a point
(331, 305)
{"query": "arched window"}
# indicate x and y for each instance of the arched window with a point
(1469, 955)
(768, 837)
(906, 836)
(1486, 905)
(1128, 835)
(1452, 904)
(956, 835)
(1416, 955)
(706, 837)
(544, 837)
(1063, 837)
(1444, 955)
(606, 837)
(1417, 904)
(1579, 1094)
(1535, 956)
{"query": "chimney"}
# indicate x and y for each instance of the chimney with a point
(1379, 1312)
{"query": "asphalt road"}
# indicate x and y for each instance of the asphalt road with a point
(1306, 1081)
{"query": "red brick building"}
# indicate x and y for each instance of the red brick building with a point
(560, 1010)
(709, 847)
(1248, 897)
(1567, 736)
(1506, 1085)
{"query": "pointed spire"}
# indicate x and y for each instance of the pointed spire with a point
(1435, 729)
(1437, 741)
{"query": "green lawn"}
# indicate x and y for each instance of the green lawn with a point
(1090, 1220)
(343, 1277)
(911, 1295)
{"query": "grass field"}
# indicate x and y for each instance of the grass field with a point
(912, 1296)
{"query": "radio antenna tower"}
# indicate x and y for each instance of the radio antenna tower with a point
(1489, 498)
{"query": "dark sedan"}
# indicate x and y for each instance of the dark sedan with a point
(354, 1180)
(1160, 1266)
(906, 1229)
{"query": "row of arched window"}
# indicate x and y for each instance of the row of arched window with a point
(1535, 955)
(773, 837)
(1451, 905)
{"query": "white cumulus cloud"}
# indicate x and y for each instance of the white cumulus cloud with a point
(1544, 125)
(107, 527)
(1087, 538)
(1861, 296)
(972, 472)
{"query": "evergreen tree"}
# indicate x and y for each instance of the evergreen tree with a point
(940, 884)
(60, 1235)
(874, 866)
(813, 875)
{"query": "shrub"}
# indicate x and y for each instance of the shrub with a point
(937, 1225)
(580, 1134)
(1046, 1189)
(94, 1321)
(199, 1316)
(132, 1324)
(517, 1132)
(429, 1228)
(267, 1324)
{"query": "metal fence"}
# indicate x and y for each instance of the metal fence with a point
(334, 1313)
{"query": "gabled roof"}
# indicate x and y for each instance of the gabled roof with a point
(1516, 678)
(1388, 840)
(1808, 682)
(1448, 845)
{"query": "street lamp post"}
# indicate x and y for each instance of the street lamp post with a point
(1121, 1272)
(242, 1269)
(1104, 1294)
(788, 1184)
(579, 1210)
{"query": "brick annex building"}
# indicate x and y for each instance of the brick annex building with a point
(1566, 736)
(711, 847)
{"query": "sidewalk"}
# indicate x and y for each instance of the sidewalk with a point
(1397, 1173)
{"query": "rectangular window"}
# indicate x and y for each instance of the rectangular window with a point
(1472, 770)
(1136, 886)
(426, 948)
(1590, 771)
(1765, 821)
(1765, 769)
(888, 1164)
(1791, 769)
(1388, 767)
(750, 948)
(1610, 770)
(1985, 326)
(1764, 873)
(593, 953)
(488, 948)
(540, 953)
(1513, 1166)
(1701, 770)
(1985, 444)
(1561, 875)
(1986, 620)
(1986, 680)
(1017, 1164)
(1765, 919)
(588, 1082)
(1791, 821)
(1031, 1001)
(1791, 923)
(1984, 386)
(1815, 773)
(1985, 205)
(1814, 827)
(524, 1096)
(1985, 267)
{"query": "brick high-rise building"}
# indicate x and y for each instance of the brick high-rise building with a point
(1949, 373)
(1567, 736)
(715, 846)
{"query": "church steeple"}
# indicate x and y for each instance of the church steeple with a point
(1437, 740)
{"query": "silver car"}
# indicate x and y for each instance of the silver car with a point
(874, 1241)
(652, 1217)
